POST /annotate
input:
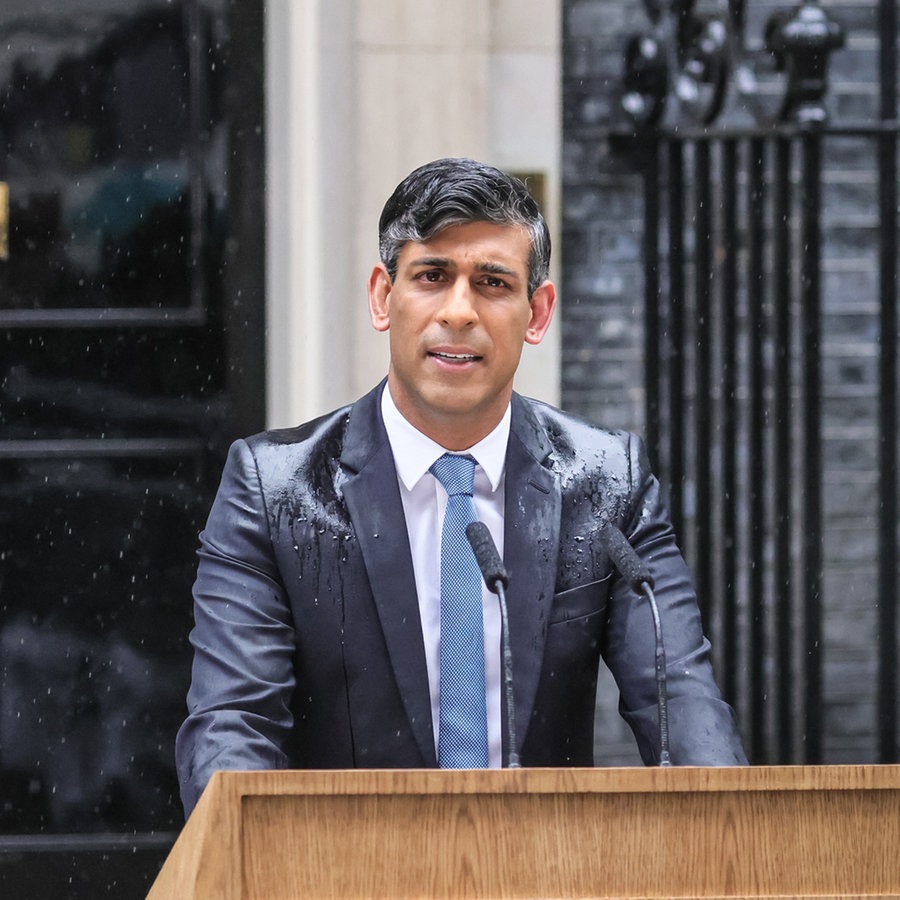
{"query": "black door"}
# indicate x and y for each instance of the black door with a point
(131, 331)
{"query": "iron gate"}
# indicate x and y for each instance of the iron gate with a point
(753, 196)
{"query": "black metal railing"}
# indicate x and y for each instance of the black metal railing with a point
(888, 205)
(734, 245)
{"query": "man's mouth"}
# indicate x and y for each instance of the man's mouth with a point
(454, 357)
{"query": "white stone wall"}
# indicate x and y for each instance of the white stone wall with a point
(359, 94)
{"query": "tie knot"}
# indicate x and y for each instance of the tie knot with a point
(456, 473)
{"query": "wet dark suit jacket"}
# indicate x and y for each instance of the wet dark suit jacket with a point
(308, 645)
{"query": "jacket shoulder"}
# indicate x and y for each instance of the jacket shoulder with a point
(589, 459)
(297, 468)
(572, 437)
(300, 435)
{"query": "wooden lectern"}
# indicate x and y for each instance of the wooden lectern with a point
(829, 831)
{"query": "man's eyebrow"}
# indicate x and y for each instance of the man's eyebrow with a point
(492, 268)
(439, 262)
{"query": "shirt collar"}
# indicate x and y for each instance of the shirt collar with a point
(415, 452)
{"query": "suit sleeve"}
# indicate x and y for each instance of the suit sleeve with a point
(243, 640)
(702, 729)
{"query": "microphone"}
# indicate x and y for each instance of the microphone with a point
(492, 569)
(496, 578)
(629, 565)
(635, 572)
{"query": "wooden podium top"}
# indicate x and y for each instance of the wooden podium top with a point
(558, 780)
(798, 831)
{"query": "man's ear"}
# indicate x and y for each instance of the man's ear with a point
(543, 302)
(379, 292)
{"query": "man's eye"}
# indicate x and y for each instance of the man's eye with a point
(431, 276)
(492, 281)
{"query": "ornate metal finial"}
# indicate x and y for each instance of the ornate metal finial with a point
(800, 42)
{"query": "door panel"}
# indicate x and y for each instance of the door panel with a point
(121, 385)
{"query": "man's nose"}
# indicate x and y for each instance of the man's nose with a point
(458, 308)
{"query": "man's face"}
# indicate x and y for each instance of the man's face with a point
(458, 314)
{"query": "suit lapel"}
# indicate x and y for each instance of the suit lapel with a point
(531, 550)
(376, 510)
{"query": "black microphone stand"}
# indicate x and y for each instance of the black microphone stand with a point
(496, 578)
(661, 694)
(637, 575)
(513, 757)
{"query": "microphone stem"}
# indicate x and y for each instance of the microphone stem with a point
(662, 703)
(512, 753)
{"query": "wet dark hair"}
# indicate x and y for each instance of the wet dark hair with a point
(450, 192)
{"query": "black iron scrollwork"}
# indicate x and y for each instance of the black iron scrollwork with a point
(646, 81)
(683, 67)
(702, 57)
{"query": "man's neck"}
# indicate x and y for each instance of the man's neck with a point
(455, 432)
(414, 451)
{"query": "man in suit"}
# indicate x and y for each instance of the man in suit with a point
(318, 604)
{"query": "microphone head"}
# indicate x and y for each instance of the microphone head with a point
(625, 559)
(492, 569)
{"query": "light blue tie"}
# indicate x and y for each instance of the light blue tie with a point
(462, 733)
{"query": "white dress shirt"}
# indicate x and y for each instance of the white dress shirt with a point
(424, 503)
